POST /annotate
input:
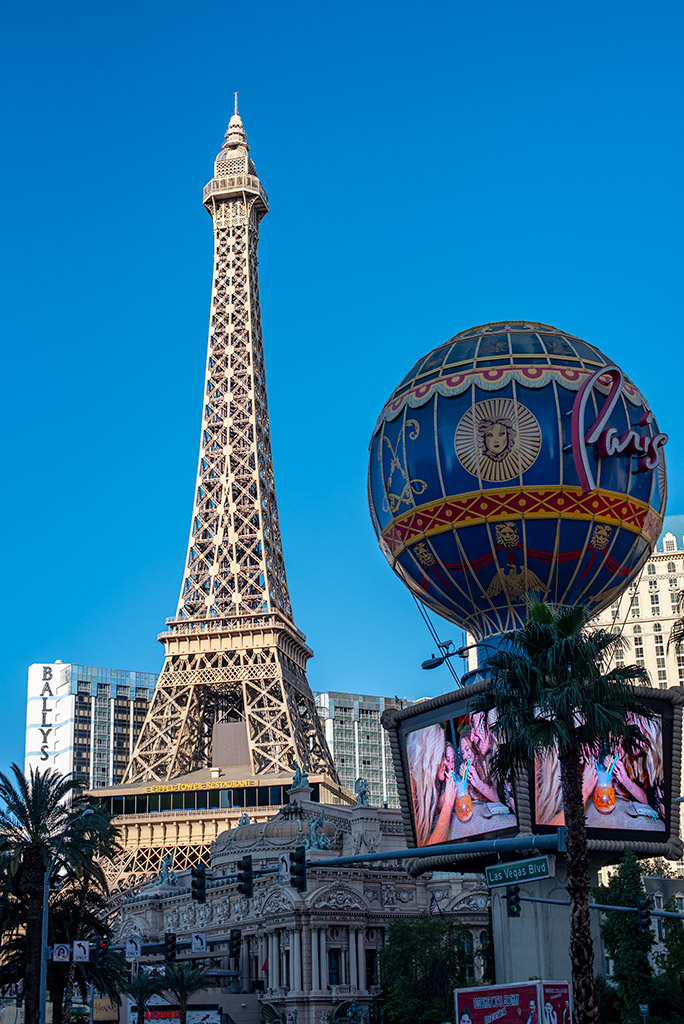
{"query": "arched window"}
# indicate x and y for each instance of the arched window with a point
(671, 567)
(651, 569)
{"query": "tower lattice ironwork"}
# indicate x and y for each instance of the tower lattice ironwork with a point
(233, 653)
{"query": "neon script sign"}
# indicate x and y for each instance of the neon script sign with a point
(646, 446)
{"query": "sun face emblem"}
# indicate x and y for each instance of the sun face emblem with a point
(498, 439)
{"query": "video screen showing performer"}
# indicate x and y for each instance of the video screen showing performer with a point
(622, 789)
(453, 791)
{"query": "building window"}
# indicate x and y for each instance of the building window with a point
(619, 658)
(680, 665)
(674, 602)
(655, 604)
(660, 653)
(634, 608)
(670, 543)
(371, 967)
(639, 647)
(651, 569)
(653, 584)
(334, 958)
(671, 567)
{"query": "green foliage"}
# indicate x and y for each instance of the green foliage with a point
(671, 962)
(180, 983)
(420, 966)
(658, 867)
(141, 987)
(552, 690)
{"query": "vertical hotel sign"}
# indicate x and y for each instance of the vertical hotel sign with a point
(47, 723)
(42, 723)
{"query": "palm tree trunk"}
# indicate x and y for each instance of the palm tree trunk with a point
(581, 949)
(34, 879)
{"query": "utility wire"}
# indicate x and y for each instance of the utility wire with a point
(433, 633)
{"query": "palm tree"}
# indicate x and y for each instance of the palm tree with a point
(32, 821)
(549, 684)
(92, 841)
(181, 982)
(141, 987)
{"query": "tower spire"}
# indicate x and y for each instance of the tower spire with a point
(234, 661)
(236, 106)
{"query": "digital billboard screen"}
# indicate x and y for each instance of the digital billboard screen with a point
(622, 790)
(454, 794)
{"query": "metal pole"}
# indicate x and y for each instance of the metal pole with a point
(92, 1002)
(43, 943)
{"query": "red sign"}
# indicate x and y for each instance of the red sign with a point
(533, 1002)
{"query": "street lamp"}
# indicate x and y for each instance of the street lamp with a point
(44, 931)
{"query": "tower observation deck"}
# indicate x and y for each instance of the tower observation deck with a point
(232, 697)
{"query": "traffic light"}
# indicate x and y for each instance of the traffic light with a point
(513, 900)
(643, 913)
(235, 942)
(102, 953)
(298, 869)
(199, 883)
(169, 948)
(245, 876)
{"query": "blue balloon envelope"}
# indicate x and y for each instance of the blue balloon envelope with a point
(513, 460)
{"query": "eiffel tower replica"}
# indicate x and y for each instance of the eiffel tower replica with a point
(232, 715)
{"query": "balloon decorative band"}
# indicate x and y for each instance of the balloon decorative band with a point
(494, 378)
(558, 501)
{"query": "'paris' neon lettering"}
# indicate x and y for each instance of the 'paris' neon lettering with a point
(607, 440)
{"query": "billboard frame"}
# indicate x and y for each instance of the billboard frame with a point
(602, 848)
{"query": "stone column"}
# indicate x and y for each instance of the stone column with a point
(296, 956)
(361, 943)
(315, 961)
(271, 958)
(323, 960)
(353, 962)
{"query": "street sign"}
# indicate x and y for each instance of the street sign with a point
(60, 953)
(81, 952)
(518, 871)
(643, 1009)
(133, 948)
(199, 942)
(284, 868)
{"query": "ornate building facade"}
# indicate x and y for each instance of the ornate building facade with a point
(313, 957)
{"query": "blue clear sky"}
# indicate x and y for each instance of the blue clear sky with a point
(430, 167)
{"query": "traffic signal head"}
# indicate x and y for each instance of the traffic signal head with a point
(102, 953)
(513, 900)
(170, 947)
(245, 876)
(298, 869)
(643, 913)
(235, 942)
(199, 883)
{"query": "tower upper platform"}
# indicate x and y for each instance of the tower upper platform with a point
(234, 170)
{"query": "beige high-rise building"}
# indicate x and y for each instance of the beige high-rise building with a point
(649, 608)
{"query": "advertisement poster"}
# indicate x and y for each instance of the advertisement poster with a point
(453, 789)
(621, 790)
(534, 1002)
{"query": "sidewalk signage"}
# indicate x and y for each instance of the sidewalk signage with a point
(60, 953)
(518, 871)
(199, 942)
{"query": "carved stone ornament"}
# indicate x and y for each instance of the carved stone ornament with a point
(277, 902)
(339, 898)
(391, 895)
(222, 911)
